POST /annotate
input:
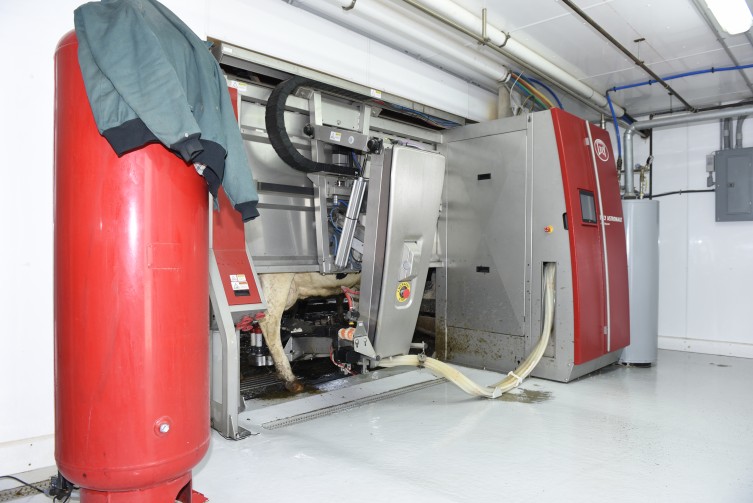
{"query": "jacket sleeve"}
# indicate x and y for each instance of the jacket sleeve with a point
(238, 182)
(131, 58)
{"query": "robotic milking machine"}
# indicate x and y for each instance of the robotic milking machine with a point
(353, 181)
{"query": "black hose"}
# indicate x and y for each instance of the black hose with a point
(11, 477)
(278, 135)
(693, 191)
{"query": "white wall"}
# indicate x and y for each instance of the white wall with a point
(706, 267)
(29, 32)
(29, 35)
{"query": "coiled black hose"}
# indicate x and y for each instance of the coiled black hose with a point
(278, 135)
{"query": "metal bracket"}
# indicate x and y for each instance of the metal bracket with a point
(343, 137)
(421, 360)
(483, 26)
(507, 37)
(361, 342)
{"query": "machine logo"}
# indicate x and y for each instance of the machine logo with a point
(601, 150)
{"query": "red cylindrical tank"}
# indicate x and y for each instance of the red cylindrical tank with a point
(131, 309)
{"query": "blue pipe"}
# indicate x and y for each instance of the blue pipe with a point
(616, 128)
(681, 75)
(549, 90)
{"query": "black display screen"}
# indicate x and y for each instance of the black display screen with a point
(587, 207)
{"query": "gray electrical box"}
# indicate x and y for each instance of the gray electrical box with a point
(734, 185)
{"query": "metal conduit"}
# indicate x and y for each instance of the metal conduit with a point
(682, 75)
(669, 121)
(457, 17)
(626, 52)
(386, 21)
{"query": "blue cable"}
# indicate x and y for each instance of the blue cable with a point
(333, 237)
(616, 128)
(332, 219)
(681, 75)
(548, 89)
(429, 118)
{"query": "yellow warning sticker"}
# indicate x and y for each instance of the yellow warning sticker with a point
(403, 291)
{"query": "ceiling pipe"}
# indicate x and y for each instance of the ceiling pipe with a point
(706, 108)
(665, 122)
(458, 17)
(384, 22)
(627, 52)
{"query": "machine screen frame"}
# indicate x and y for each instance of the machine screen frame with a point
(587, 207)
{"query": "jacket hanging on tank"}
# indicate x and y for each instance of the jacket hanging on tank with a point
(149, 78)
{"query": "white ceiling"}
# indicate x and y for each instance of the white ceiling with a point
(677, 40)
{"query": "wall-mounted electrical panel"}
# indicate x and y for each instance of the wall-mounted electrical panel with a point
(734, 184)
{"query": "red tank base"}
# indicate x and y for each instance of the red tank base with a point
(178, 490)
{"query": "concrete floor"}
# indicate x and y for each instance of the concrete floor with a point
(680, 431)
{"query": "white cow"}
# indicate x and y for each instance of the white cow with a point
(282, 290)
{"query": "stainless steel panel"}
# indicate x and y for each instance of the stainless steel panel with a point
(547, 209)
(307, 347)
(342, 114)
(508, 125)
(489, 350)
(238, 57)
(416, 181)
(486, 245)
(285, 234)
(375, 235)
(504, 188)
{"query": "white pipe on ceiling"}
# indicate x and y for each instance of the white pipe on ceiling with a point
(516, 50)
(385, 22)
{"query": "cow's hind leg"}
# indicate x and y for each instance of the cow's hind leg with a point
(276, 288)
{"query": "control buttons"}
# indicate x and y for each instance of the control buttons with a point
(403, 292)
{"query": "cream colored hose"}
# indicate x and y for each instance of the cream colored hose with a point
(513, 378)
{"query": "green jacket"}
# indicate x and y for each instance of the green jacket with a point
(150, 78)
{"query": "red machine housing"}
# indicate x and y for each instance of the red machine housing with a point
(597, 249)
(228, 238)
(131, 309)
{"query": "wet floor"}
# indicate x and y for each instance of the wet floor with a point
(679, 431)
